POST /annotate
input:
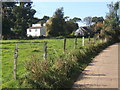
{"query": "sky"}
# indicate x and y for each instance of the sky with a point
(72, 9)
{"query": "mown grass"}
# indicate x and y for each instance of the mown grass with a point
(28, 48)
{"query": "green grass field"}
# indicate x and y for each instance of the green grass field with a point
(28, 48)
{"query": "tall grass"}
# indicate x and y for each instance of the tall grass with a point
(26, 49)
(62, 71)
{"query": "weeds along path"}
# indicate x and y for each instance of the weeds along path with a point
(28, 49)
(102, 72)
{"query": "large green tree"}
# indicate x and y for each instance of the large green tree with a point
(70, 27)
(44, 19)
(16, 18)
(97, 19)
(56, 24)
(98, 26)
(7, 16)
(75, 19)
(23, 17)
(111, 27)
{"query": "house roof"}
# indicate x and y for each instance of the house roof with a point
(85, 28)
(82, 30)
(79, 31)
(34, 27)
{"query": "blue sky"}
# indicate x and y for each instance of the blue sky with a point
(71, 9)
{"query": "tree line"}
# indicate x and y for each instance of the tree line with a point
(60, 25)
(18, 16)
(111, 27)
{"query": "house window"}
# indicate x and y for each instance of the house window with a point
(36, 30)
(29, 30)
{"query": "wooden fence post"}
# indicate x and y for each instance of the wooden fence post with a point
(89, 39)
(45, 50)
(64, 44)
(15, 61)
(94, 40)
(75, 42)
(83, 41)
(105, 40)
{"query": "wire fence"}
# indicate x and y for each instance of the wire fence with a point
(27, 49)
(8, 63)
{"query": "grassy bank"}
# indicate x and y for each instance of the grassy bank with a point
(61, 72)
(58, 72)
(28, 49)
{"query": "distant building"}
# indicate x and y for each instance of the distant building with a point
(79, 32)
(84, 29)
(36, 30)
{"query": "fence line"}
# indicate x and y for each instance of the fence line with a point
(45, 50)
(64, 44)
(83, 41)
(44, 55)
(15, 61)
(75, 43)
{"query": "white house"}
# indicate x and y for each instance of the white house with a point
(79, 31)
(36, 30)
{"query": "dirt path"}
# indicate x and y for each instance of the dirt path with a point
(102, 72)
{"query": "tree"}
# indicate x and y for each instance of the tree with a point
(116, 6)
(88, 20)
(16, 18)
(98, 26)
(23, 17)
(44, 19)
(75, 19)
(6, 28)
(56, 24)
(70, 27)
(97, 19)
(111, 27)
(59, 13)
(66, 18)
(7, 16)
(35, 20)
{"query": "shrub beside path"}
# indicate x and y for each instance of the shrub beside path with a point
(102, 72)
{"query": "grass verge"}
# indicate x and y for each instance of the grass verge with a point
(60, 72)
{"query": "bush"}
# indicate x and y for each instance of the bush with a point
(11, 84)
(62, 72)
